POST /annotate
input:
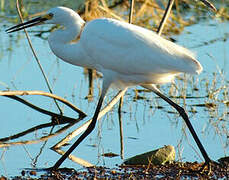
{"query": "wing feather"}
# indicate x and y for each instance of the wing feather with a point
(130, 49)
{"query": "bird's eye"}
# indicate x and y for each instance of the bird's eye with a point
(51, 14)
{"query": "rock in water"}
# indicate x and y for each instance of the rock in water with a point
(155, 157)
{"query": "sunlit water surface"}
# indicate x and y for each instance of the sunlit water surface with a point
(144, 127)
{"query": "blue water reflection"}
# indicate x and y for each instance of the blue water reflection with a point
(145, 128)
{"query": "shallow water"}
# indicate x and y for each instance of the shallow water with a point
(144, 127)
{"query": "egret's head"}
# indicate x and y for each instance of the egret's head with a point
(63, 16)
(58, 15)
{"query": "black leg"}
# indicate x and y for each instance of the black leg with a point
(185, 117)
(85, 134)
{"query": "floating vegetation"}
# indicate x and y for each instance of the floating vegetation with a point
(110, 155)
(174, 170)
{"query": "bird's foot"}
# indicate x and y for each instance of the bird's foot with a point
(62, 170)
(50, 169)
(206, 168)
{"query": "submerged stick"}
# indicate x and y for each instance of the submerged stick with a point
(55, 117)
(86, 124)
(35, 56)
(131, 11)
(75, 159)
(44, 138)
(42, 93)
(165, 17)
(209, 4)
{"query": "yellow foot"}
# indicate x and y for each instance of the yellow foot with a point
(206, 168)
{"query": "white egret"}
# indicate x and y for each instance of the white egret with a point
(125, 54)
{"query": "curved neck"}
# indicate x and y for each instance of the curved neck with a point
(61, 44)
(69, 33)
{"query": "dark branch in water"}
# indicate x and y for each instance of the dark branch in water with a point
(42, 93)
(43, 138)
(56, 119)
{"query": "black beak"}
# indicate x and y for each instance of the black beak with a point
(33, 22)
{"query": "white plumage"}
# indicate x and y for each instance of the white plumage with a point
(125, 54)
